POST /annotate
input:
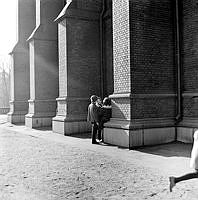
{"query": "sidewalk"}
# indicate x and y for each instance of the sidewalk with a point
(119, 173)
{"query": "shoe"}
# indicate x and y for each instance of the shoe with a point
(95, 142)
(172, 183)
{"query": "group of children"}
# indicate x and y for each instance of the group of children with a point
(99, 112)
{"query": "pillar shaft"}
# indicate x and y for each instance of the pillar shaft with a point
(143, 102)
(43, 65)
(79, 66)
(20, 91)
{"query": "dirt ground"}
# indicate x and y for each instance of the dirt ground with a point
(41, 165)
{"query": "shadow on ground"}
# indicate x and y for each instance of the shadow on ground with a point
(47, 128)
(178, 149)
(81, 135)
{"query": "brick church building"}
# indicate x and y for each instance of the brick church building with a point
(143, 54)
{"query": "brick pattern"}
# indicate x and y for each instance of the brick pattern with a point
(79, 66)
(121, 108)
(108, 57)
(152, 46)
(83, 58)
(93, 5)
(190, 44)
(190, 107)
(45, 106)
(78, 107)
(153, 107)
(152, 58)
(144, 58)
(75, 107)
(62, 58)
(121, 46)
(190, 55)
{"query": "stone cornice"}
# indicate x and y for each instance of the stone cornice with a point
(72, 99)
(190, 94)
(20, 47)
(189, 122)
(39, 34)
(70, 118)
(78, 14)
(40, 100)
(141, 96)
(136, 124)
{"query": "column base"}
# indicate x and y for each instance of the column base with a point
(18, 110)
(186, 129)
(16, 118)
(185, 134)
(63, 126)
(127, 134)
(34, 121)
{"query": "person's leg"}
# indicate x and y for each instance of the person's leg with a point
(173, 180)
(186, 177)
(99, 132)
(94, 132)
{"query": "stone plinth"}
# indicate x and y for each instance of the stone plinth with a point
(79, 65)
(20, 90)
(43, 65)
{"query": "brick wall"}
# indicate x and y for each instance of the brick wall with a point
(121, 107)
(83, 58)
(121, 50)
(62, 58)
(189, 17)
(79, 59)
(108, 52)
(153, 107)
(94, 5)
(152, 58)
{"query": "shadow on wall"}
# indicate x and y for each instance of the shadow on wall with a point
(177, 149)
(120, 109)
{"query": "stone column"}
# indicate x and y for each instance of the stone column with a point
(20, 91)
(43, 64)
(79, 65)
(143, 102)
(118, 129)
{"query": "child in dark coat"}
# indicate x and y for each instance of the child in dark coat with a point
(106, 112)
(93, 117)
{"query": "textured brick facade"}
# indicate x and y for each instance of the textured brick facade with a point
(79, 65)
(190, 56)
(131, 55)
(121, 46)
(144, 59)
(108, 50)
(90, 5)
(83, 58)
(20, 75)
(152, 58)
(152, 46)
(43, 65)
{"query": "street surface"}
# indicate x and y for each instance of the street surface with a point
(41, 165)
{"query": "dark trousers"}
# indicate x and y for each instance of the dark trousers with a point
(94, 131)
(187, 177)
(101, 127)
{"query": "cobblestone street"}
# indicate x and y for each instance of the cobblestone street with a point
(41, 165)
